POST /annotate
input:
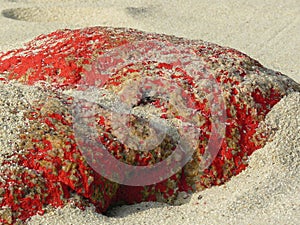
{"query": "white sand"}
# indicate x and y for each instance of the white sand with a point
(268, 191)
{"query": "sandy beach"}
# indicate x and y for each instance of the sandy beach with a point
(268, 191)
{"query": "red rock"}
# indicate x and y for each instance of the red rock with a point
(50, 168)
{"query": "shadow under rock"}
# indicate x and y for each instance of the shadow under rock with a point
(125, 210)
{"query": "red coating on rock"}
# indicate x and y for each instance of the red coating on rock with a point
(54, 167)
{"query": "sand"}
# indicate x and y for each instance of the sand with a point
(268, 191)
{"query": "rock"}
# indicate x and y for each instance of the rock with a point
(172, 116)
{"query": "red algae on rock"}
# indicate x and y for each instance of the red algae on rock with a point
(53, 162)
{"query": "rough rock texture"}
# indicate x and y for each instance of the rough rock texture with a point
(42, 163)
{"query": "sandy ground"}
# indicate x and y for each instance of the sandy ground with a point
(268, 191)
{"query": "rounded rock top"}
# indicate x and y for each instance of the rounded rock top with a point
(108, 116)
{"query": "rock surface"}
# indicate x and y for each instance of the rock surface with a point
(47, 160)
